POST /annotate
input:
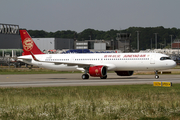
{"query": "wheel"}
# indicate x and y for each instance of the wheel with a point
(104, 77)
(156, 76)
(85, 76)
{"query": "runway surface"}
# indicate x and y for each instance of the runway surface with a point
(41, 80)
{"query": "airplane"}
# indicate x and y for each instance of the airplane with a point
(94, 64)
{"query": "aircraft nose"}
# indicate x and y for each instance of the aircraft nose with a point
(173, 63)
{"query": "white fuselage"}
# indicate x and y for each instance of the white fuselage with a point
(113, 61)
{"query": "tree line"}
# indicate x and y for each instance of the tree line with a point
(146, 35)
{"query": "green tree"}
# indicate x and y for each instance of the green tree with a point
(146, 35)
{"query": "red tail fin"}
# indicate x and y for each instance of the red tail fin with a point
(28, 44)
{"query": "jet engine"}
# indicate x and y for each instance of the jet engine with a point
(98, 71)
(124, 73)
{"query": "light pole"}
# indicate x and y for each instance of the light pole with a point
(69, 44)
(156, 39)
(160, 45)
(90, 37)
(178, 49)
(171, 41)
(151, 43)
(138, 40)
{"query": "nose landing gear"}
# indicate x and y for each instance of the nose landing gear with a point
(156, 74)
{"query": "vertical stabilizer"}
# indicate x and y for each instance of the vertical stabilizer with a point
(28, 44)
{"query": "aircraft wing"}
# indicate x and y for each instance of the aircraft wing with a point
(80, 65)
(24, 58)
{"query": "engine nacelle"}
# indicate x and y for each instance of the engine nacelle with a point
(124, 73)
(98, 71)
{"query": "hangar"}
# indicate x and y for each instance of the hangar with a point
(54, 43)
(11, 46)
(9, 37)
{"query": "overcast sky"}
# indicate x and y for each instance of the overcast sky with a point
(77, 15)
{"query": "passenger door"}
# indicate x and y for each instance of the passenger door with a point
(152, 59)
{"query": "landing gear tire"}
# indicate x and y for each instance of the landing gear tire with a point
(85, 76)
(156, 76)
(104, 77)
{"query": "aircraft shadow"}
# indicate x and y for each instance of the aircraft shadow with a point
(56, 78)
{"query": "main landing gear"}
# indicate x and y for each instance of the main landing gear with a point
(85, 75)
(156, 74)
(104, 77)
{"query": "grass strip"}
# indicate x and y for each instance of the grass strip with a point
(133, 102)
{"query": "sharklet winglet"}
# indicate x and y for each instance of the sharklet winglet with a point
(33, 56)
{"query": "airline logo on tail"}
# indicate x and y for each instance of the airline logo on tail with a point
(28, 44)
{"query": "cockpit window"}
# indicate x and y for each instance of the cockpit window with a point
(165, 58)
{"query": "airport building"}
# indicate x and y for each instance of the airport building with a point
(99, 45)
(123, 42)
(9, 37)
(10, 41)
(176, 44)
(54, 43)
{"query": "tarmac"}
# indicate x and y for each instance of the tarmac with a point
(74, 79)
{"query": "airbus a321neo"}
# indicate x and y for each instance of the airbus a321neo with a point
(94, 64)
